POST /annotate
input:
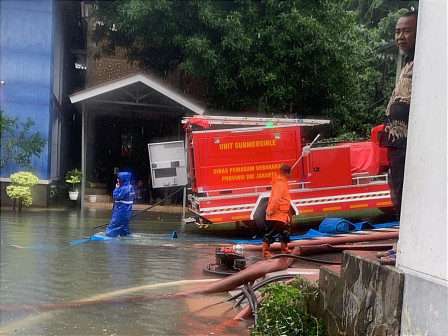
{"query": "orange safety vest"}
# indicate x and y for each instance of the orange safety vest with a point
(279, 200)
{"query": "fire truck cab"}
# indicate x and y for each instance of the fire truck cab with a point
(231, 161)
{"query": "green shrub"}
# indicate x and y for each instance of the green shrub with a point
(54, 194)
(283, 311)
(20, 188)
(91, 184)
(73, 177)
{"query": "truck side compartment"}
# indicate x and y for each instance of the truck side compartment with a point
(241, 158)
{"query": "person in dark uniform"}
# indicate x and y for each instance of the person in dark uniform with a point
(141, 192)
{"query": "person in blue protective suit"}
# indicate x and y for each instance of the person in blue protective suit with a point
(121, 215)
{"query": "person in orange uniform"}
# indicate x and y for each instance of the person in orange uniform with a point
(278, 218)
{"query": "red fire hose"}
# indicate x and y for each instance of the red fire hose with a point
(331, 240)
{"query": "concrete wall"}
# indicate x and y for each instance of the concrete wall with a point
(422, 247)
(26, 67)
(361, 297)
(39, 193)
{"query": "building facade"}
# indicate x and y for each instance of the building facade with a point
(31, 73)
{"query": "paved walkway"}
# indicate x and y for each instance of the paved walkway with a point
(170, 208)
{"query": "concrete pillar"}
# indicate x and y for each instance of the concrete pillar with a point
(83, 152)
(422, 247)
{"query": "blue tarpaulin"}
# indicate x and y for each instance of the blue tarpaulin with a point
(336, 225)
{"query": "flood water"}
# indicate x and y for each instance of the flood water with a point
(44, 277)
(54, 282)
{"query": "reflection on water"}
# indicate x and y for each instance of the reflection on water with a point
(40, 267)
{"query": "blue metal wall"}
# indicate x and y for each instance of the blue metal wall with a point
(26, 67)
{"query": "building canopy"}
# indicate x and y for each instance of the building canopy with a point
(135, 94)
(131, 92)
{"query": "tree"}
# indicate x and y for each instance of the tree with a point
(300, 58)
(18, 146)
(371, 12)
(20, 188)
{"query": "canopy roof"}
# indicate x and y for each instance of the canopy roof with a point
(136, 92)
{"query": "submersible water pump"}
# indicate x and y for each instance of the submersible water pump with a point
(228, 260)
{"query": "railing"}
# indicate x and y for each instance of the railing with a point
(362, 178)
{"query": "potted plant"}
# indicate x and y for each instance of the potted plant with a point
(92, 198)
(74, 178)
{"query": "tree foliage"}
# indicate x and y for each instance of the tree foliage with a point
(18, 145)
(20, 188)
(299, 58)
(372, 12)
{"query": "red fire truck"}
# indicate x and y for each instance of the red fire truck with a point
(231, 161)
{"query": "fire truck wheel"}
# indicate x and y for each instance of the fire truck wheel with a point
(387, 210)
(260, 218)
(248, 223)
